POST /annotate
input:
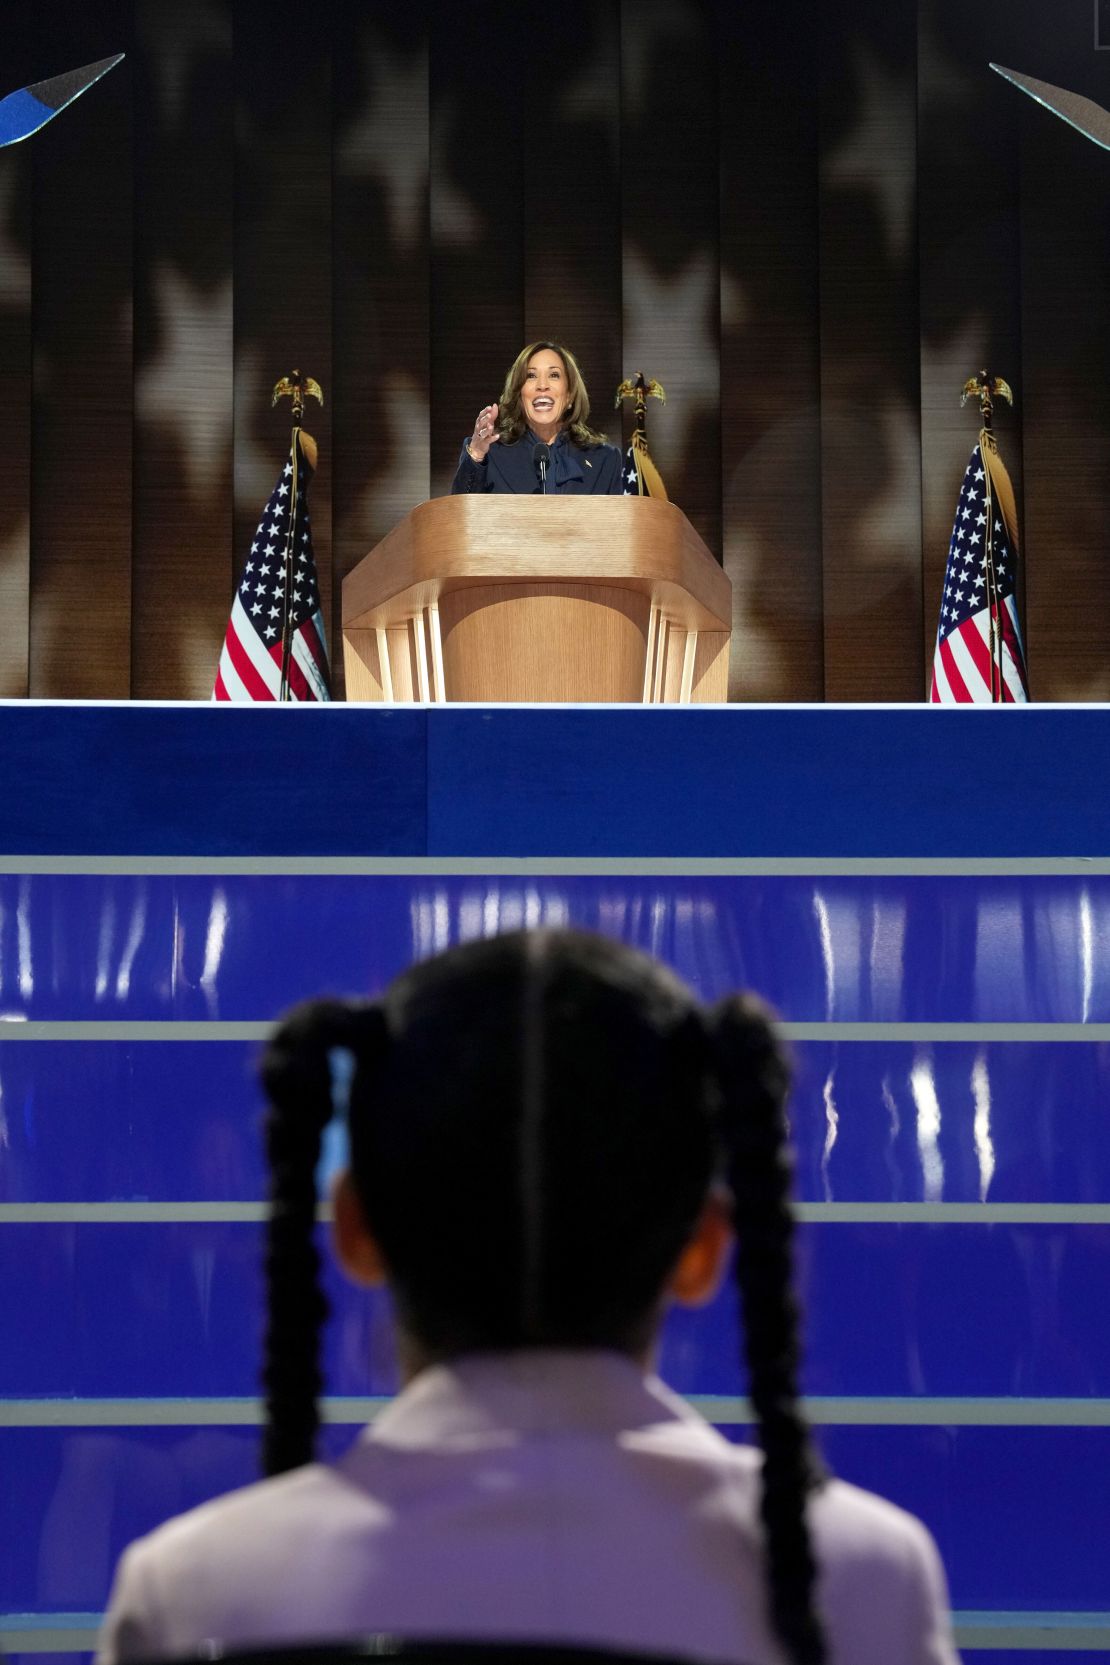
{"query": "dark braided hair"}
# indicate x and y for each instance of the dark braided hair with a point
(550, 1102)
(753, 1081)
(296, 1073)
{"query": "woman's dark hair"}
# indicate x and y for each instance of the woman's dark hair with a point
(523, 1112)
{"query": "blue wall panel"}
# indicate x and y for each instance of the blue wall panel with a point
(954, 1121)
(1022, 1515)
(840, 949)
(959, 1306)
(90, 1121)
(211, 780)
(118, 1482)
(776, 781)
(162, 1310)
(772, 781)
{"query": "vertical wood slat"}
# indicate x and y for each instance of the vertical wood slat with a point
(770, 360)
(184, 563)
(15, 355)
(654, 627)
(969, 251)
(383, 660)
(571, 193)
(380, 246)
(81, 473)
(282, 261)
(477, 186)
(671, 249)
(1065, 329)
(435, 636)
(870, 369)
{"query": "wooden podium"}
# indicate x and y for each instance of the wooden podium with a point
(490, 597)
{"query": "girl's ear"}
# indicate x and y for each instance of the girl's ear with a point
(701, 1266)
(356, 1248)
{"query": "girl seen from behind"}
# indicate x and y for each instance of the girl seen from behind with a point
(550, 1140)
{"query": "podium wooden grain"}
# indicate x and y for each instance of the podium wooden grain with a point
(492, 598)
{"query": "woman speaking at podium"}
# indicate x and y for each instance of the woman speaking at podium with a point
(536, 438)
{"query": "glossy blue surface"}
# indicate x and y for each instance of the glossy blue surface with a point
(95, 1121)
(118, 1482)
(160, 1310)
(164, 1310)
(789, 780)
(759, 780)
(212, 779)
(841, 949)
(1015, 1122)
(75, 1658)
(1003, 1503)
(1026, 1656)
(1021, 1515)
(89, 1121)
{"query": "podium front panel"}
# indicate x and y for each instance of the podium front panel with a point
(497, 642)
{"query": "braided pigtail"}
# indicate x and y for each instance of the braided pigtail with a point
(296, 1074)
(753, 1080)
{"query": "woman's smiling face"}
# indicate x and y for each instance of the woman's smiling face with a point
(545, 395)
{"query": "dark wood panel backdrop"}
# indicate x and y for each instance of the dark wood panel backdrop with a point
(811, 227)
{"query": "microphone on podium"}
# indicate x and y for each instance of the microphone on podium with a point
(541, 457)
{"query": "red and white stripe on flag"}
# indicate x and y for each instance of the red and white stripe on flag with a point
(963, 673)
(249, 670)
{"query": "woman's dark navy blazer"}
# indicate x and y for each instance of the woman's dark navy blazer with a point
(571, 472)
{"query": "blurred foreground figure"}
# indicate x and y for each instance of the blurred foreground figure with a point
(550, 1139)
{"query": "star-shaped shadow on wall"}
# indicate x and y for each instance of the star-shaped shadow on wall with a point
(388, 139)
(186, 386)
(670, 332)
(880, 151)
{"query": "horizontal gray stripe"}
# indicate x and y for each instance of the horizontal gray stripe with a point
(924, 1032)
(169, 1413)
(952, 1214)
(825, 1411)
(135, 1213)
(1043, 1634)
(831, 1411)
(70, 1639)
(819, 1213)
(513, 867)
(125, 1029)
(15, 1028)
(1064, 1632)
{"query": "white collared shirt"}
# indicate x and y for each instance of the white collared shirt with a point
(544, 1496)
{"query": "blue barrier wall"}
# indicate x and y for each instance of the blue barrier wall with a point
(924, 895)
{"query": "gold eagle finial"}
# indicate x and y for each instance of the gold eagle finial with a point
(298, 388)
(986, 388)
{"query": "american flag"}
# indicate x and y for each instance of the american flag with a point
(250, 664)
(641, 478)
(964, 670)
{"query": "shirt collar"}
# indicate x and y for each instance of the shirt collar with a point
(496, 1398)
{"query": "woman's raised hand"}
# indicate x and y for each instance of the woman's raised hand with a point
(485, 433)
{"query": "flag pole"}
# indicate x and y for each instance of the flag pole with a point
(986, 387)
(649, 482)
(296, 387)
